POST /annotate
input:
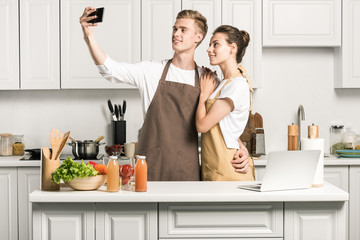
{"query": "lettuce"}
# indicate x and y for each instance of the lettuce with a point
(70, 170)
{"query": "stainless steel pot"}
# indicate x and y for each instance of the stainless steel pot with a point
(87, 149)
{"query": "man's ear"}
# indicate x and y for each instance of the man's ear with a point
(199, 37)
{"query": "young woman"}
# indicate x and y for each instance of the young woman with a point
(222, 114)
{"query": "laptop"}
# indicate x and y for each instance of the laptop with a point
(288, 170)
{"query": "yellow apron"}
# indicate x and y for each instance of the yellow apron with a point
(215, 156)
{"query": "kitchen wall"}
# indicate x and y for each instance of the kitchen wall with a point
(291, 76)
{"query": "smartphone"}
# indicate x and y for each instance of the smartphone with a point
(99, 13)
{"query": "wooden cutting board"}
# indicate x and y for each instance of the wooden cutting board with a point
(248, 136)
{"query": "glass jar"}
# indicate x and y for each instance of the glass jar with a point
(336, 134)
(18, 145)
(6, 144)
(349, 139)
(357, 144)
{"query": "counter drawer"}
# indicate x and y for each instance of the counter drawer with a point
(222, 220)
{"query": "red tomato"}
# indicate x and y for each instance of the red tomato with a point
(126, 170)
(125, 180)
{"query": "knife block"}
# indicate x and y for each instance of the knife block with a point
(47, 167)
(119, 132)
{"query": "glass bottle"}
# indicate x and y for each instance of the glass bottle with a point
(349, 139)
(18, 145)
(113, 175)
(336, 134)
(6, 144)
(141, 174)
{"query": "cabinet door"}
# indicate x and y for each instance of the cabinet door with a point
(59, 221)
(302, 23)
(40, 46)
(126, 221)
(28, 181)
(338, 176)
(354, 203)
(118, 35)
(347, 58)
(158, 17)
(211, 10)
(8, 203)
(9, 45)
(246, 15)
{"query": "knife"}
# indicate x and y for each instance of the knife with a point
(111, 110)
(117, 112)
(124, 108)
(120, 112)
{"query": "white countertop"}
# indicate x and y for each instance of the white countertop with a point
(14, 161)
(193, 192)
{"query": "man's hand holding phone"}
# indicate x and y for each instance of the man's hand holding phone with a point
(89, 19)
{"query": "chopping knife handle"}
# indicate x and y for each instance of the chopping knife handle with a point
(110, 106)
(124, 107)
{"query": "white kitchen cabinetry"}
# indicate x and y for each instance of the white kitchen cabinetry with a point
(338, 176)
(220, 220)
(119, 36)
(211, 9)
(28, 181)
(59, 221)
(246, 15)
(354, 203)
(9, 45)
(347, 58)
(126, 221)
(39, 44)
(312, 220)
(312, 23)
(8, 204)
(158, 17)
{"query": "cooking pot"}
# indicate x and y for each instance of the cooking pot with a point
(87, 149)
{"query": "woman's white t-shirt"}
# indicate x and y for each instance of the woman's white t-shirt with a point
(233, 124)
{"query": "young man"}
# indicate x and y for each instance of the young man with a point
(169, 92)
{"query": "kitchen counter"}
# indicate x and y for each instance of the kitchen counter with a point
(191, 210)
(14, 161)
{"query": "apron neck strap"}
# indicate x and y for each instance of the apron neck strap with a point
(166, 69)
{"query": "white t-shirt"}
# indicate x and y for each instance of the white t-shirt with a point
(145, 76)
(233, 124)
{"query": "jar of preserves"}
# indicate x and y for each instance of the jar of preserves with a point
(5, 144)
(18, 145)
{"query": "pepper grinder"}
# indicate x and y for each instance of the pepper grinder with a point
(293, 136)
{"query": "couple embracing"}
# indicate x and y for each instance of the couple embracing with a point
(179, 99)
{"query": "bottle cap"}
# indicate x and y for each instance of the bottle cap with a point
(113, 157)
(141, 157)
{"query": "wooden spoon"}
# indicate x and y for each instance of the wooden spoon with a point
(99, 139)
(46, 152)
(62, 145)
(55, 141)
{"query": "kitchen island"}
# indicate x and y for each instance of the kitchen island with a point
(191, 210)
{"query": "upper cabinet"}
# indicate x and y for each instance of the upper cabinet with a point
(118, 35)
(39, 44)
(39, 64)
(347, 58)
(9, 45)
(314, 23)
(246, 15)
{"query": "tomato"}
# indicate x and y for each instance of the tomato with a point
(126, 170)
(125, 180)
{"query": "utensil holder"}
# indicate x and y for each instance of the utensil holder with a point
(119, 132)
(47, 167)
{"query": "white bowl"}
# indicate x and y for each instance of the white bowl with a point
(87, 183)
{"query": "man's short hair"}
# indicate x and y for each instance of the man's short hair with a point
(200, 20)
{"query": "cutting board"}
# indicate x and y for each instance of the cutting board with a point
(248, 136)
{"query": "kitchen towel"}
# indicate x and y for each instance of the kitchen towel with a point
(316, 144)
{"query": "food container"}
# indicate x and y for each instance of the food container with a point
(5, 144)
(87, 149)
(18, 145)
(336, 134)
(349, 139)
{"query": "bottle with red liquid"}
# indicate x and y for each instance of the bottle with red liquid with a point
(141, 174)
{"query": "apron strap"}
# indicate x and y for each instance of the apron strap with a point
(165, 71)
(246, 76)
(197, 78)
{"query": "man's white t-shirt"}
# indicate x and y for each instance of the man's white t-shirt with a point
(146, 76)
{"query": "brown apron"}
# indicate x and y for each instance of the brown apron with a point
(215, 156)
(168, 137)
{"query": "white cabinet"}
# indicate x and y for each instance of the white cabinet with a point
(126, 221)
(220, 220)
(28, 181)
(354, 203)
(8, 204)
(118, 35)
(211, 9)
(302, 23)
(9, 45)
(338, 176)
(158, 17)
(39, 44)
(246, 15)
(313, 220)
(59, 221)
(347, 58)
